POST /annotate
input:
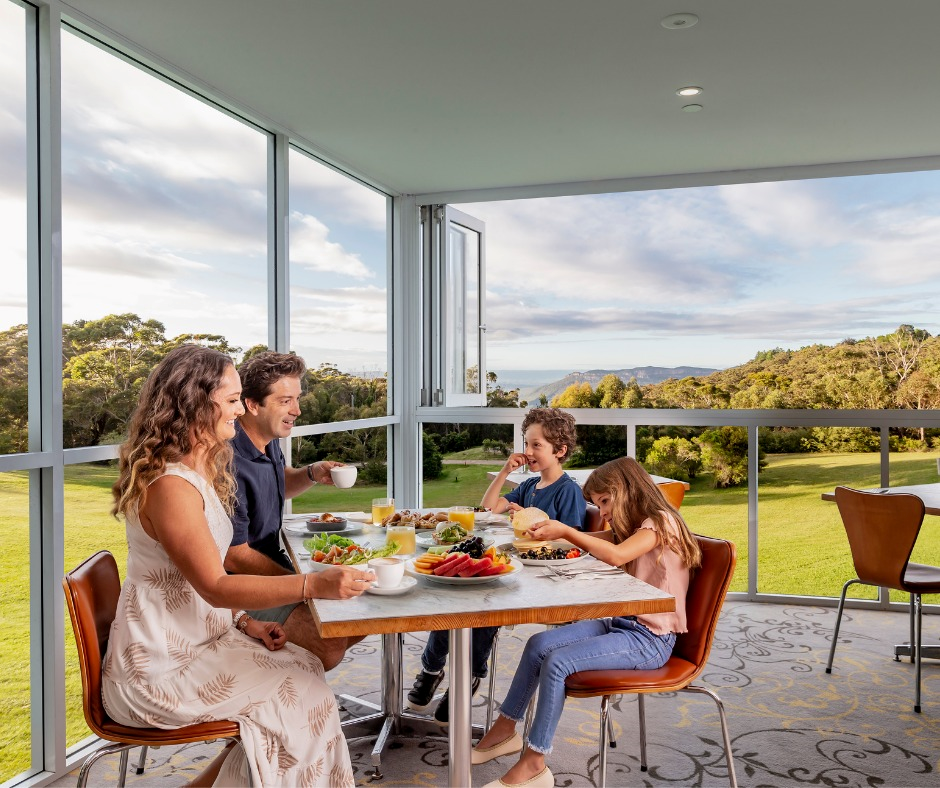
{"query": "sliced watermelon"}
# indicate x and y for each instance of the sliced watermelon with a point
(495, 569)
(454, 567)
(476, 566)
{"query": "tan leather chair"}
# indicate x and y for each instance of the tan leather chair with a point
(673, 492)
(91, 593)
(706, 595)
(593, 520)
(882, 529)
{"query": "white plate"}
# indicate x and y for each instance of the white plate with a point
(406, 584)
(427, 539)
(464, 581)
(514, 552)
(301, 528)
(488, 518)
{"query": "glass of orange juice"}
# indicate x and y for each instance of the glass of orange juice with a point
(382, 508)
(404, 535)
(462, 515)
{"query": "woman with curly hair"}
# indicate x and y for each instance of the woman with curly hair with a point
(649, 538)
(181, 649)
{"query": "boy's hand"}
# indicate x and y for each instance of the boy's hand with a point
(515, 462)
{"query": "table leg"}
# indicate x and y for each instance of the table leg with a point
(459, 730)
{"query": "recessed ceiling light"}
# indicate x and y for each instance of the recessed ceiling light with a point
(692, 108)
(679, 21)
(691, 90)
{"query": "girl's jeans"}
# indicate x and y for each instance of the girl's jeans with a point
(551, 656)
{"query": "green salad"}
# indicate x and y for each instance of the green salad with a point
(340, 551)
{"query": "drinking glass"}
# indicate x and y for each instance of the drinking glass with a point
(462, 515)
(382, 508)
(404, 535)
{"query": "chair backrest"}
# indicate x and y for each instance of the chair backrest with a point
(673, 492)
(593, 520)
(706, 595)
(882, 529)
(91, 593)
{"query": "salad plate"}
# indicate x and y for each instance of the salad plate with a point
(514, 563)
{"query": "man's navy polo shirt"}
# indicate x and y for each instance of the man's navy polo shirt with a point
(259, 497)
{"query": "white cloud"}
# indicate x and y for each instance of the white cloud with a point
(310, 247)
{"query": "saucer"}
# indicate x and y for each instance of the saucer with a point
(406, 584)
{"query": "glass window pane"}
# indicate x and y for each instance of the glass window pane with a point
(338, 290)
(164, 233)
(366, 449)
(13, 226)
(15, 630)
(89, 527)
(462, 279)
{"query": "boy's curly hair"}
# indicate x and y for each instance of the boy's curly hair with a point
(557, 426)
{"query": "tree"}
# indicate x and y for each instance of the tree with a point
(14, 391)
(724, 455)
(676, 458)
(577, 395)
(610, 392)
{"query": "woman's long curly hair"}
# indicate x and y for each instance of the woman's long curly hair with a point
(175, 415)
(635, 498)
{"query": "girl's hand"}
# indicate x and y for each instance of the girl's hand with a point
(548, 530)
(515, 462)
(270, 633)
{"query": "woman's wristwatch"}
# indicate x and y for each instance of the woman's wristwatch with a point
(310, 473)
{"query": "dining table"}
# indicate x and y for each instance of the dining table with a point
(580, 475)
(930, 495)
(527, 595)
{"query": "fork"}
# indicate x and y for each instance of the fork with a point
(576, 572)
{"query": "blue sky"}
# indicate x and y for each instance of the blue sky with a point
(164, 215)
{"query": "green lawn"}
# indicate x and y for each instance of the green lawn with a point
(802, 547)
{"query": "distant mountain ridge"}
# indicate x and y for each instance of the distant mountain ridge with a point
(643, 375)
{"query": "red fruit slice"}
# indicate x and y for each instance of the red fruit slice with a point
(453, 567)
(496, 569)
(476, 566)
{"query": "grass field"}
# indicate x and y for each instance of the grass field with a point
(802, 547)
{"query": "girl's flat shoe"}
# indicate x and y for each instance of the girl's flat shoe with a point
(544, 779)
(506, 747)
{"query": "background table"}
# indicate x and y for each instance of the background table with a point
(528, 596)
(580, 475)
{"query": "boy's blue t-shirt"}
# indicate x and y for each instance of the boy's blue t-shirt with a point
(562, 500)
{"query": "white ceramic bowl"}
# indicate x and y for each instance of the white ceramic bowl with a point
(344, 475)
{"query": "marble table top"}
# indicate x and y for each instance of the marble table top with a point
(524, 597)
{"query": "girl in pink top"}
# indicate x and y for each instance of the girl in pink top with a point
(649, 538)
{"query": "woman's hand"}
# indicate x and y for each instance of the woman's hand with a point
(341, 582)
(549, 529)
(270, 633)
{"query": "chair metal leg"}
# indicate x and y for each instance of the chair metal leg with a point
(108, 749)
(915, 649)
(641, 710)
(602, 752)
(835, 632)
(491, 701)
(142, 761)
(912, 605)
(732, 777)
(122, 768)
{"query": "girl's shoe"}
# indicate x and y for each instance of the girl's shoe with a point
(544, 779)
(506, 747)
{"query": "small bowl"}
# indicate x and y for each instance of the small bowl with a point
(317, 526)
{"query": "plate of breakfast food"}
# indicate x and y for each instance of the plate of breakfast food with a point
(474, 567)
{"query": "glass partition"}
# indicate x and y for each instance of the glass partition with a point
(338, 291)
(13, 231)
(164, 233)
(15, 631)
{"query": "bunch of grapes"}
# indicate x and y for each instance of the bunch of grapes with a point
(472, 547)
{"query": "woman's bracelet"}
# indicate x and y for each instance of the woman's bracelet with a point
(310, 473)
(303, 589)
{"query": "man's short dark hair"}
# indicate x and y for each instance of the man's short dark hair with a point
(260, 372)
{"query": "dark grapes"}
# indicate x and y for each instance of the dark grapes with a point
(472, 546)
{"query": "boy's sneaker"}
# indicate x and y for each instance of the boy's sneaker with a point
(442, 712)
(422, 693)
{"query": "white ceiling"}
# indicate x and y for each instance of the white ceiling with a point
(427, 96)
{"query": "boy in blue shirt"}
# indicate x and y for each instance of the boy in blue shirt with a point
(549, 436)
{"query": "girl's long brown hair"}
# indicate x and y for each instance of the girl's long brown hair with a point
(175, 415)
(636, 498)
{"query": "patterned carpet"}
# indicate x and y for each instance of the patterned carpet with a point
(791, 724)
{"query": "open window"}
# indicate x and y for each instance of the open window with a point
(457, 322)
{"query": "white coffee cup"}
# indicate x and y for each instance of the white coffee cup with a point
(388, 571)
(344, 475)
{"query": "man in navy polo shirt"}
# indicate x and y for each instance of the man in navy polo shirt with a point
(271, 388)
